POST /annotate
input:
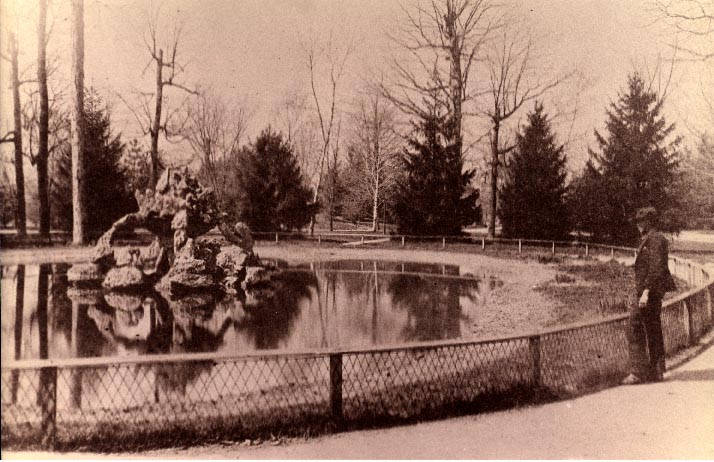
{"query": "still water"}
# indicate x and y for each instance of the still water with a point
(331, 304)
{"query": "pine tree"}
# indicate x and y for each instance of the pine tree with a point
(533, 203)
(433, 197)
(109, 195)
(638, 164)
(270, 193)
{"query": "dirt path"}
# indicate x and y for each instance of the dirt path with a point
(672, 419)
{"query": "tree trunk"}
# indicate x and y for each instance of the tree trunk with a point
(375, 198)
(43, 149)
(331, 208)
(20, 214)
(154, 164)
(375, 206)
(316, 194)
(494, 180)
(455, 75)
(78, 174)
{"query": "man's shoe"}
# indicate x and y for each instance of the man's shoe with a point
(631, 379)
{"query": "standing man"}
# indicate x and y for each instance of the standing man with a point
(653, 280)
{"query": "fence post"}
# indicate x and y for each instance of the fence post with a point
(483, 243)
(553, 251)
(402, 241)
(534, 350)
(443, 242)
(361, 238)
(319, 239)
(276, 237)
(47, 400)
(519, 246)
(587, 250)
(336, 386)
(612, 252)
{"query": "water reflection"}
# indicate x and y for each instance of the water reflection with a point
(19, 305)
(326, 305)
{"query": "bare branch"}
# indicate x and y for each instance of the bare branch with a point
(191, 91)
(9, 137)
(693, 19)
(141, 121)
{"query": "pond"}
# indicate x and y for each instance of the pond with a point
(338, 304)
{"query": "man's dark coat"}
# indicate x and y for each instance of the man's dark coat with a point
(651, 270)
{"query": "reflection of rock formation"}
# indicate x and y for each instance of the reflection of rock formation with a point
(272, 305)
(141, 322)
(199, 326)
(136, 322)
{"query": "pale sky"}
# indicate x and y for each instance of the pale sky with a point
(251, 52)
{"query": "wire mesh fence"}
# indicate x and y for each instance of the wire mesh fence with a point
(166, 399)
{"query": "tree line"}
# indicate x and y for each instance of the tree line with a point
(398, 154)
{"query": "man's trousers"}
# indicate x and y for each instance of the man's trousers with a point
(645, 339)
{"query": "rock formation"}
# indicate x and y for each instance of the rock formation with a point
(178, 212)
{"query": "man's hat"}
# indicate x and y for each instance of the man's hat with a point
(646, 214)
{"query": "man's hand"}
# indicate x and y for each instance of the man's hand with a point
(643, 298)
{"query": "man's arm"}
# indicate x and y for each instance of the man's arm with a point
(657, 260)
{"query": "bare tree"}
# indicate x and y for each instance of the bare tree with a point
(292, 116)
(41, 160)
(336, 61)
(168, 69)
(693, 22)
(375, 150)
(78, 126)
(513, 80)
(15, 136)
(214, 132)
(333, 177)
(442, 42)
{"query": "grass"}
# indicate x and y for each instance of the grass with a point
(591, 289)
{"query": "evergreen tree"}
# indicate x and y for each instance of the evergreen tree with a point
(269, 192)
(109, 196)
(637, 165)
(433, 197)
(588, 202)
(533, 196)
(7, 200)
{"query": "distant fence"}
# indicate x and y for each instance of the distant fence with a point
(165, 399)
